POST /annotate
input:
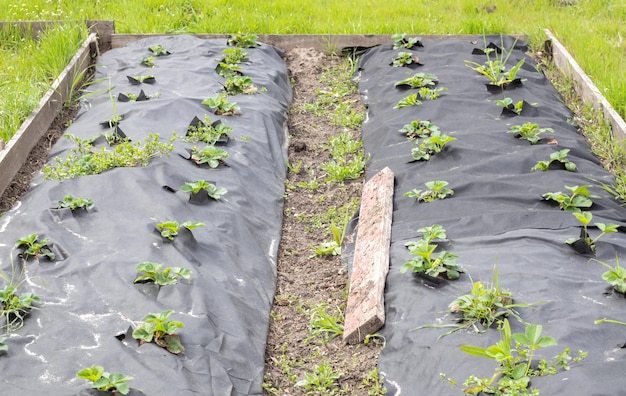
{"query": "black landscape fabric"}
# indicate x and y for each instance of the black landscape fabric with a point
(496, 218)
(89, 302)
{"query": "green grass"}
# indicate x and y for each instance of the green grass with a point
(28, 67)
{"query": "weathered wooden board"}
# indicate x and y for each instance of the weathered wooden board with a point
(584, 86)
(365, 312)
(14, 155)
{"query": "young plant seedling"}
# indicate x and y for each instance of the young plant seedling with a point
(321, 381)
(588, 244)
(169, 229)
(240, 85)
(158, 329)
(515, 354)
(401, 41)
(243, 40)
(428, 93)
(419, 129)
(529, 131)
(435, 190)
(207, 131)
(430, 146)
(410, 100)
(495, 67)
(404, 59)
(159, 50)
(210, 155)
(148, 61)
(580, 198)
(326, 324)
(221, 106)
(507, 103)
(75, 203)
(234, 56)
(106, 382)
(419, 80)
(211, 189)
(615, 276)
(151, 272)
(558, 156)
(34, 247)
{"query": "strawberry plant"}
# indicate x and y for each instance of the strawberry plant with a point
(515, 354)
(557, 156)
(221, 106)
(151, 272)
(529, 131)
(589, 245)
(243, 40)
(158, 329)
(15, 307)
(3, 346)
(401, 41)
(148, 61)
(210, 155)
(419, 129)
(432, 264)
(75, 203)
(580, 198)
(507, 103)
(170, 229)
(239, 84)
(211, 189)
(419, 80)
(34, 247)
(136, 80)
(234, 56)
(207, 131)
(106, 382)
(435, 190)
(615, 276)
(228, 70)
(428, 93)
(410, 100)
(404, 59)
(430, 146)
(158, 50)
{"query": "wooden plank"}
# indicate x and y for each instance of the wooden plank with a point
(37, 124)
(321, 42)
(365, 312)
(584, 86)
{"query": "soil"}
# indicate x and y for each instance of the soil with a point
(303, 281)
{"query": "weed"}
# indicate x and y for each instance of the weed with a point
(332, 248)
(495, 66)
(529, 131)
(86, 160)
(435, 190)
(321, 380)
(515, 354)
(156, 327)
(558, 156)
(348, 161)
(106, 382)
(374, 383)
(34, 247)
(170, 229)
(326, 322)
(151, 272)
(294, 168)
(75, 203)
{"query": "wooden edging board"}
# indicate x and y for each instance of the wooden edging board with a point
(14, 155)
(584, 86)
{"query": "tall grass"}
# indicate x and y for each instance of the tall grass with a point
(28, 67)
(593, 31)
